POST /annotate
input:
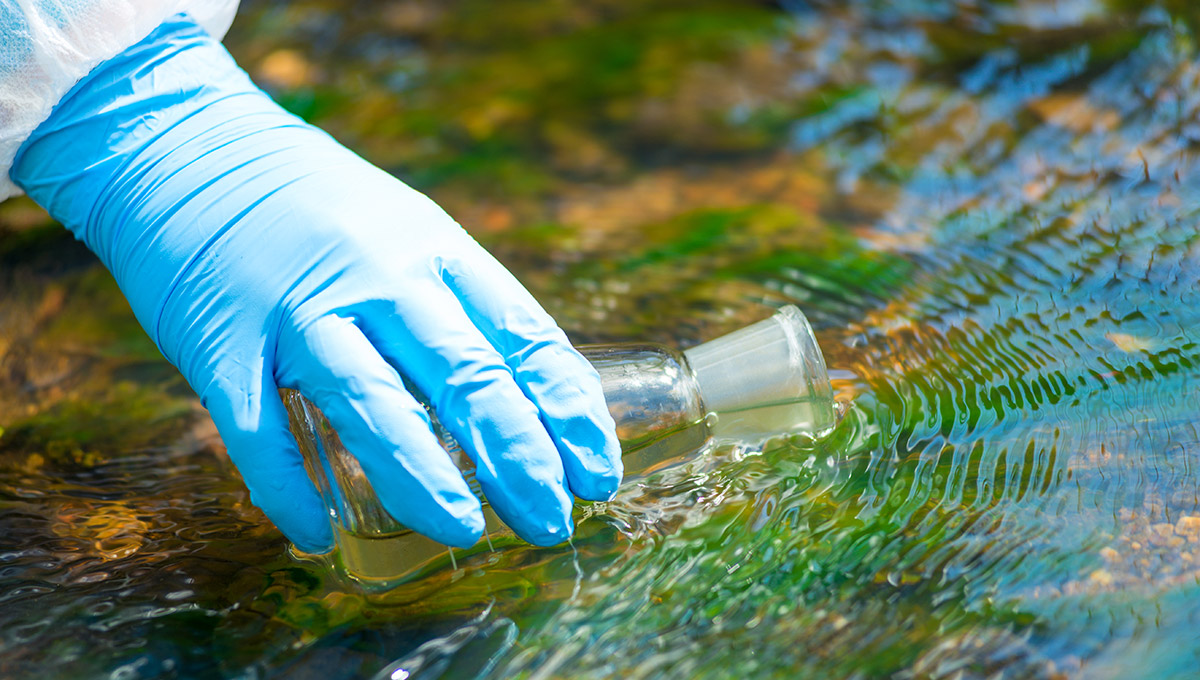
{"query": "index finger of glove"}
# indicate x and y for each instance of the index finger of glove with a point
(555, 377)
(333, 364)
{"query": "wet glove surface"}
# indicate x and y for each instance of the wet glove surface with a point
(259, 253)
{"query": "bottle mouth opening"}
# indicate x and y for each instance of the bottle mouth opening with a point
(766, 379)
(807, 351)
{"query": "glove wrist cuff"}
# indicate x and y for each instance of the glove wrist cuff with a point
(101, 133)
(137, 158)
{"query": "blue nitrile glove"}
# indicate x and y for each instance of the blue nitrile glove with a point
(258, 252)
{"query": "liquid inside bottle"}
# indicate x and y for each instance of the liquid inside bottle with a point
(766, 380)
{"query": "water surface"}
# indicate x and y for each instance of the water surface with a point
(988, 210)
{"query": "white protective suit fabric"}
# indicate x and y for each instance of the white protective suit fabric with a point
(46, 46)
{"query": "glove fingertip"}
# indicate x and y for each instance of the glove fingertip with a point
(449, 516)
(314, 544)
(593, 460)
(466, 531)
(300, 517)
(598, 485)
(549, 533)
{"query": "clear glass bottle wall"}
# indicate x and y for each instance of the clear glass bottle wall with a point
(766, 380)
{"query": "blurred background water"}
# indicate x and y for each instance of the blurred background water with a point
(987, 208)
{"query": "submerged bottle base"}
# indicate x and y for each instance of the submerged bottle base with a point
(379, 562)
(383, 561)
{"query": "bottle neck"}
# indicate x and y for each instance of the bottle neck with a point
(650, 390)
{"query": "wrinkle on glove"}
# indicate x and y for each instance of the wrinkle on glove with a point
(259, 253)
(47, 46)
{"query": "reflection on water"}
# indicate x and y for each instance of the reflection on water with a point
(988, 210)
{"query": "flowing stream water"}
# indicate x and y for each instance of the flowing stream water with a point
(988, 210)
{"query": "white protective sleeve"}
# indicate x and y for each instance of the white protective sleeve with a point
(46, 46)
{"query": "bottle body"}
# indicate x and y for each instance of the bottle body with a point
(657, 397)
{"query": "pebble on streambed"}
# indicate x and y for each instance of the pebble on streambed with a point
(1147, 554)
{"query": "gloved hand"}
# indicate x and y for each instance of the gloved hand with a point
(257, 252)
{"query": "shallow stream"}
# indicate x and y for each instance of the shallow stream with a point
(987, 209)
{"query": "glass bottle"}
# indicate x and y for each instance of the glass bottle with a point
(762, 381)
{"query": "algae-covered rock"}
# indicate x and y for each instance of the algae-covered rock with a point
(87, 431)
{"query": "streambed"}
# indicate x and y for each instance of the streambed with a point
(987, 209)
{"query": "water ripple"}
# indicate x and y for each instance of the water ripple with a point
(988, 209)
